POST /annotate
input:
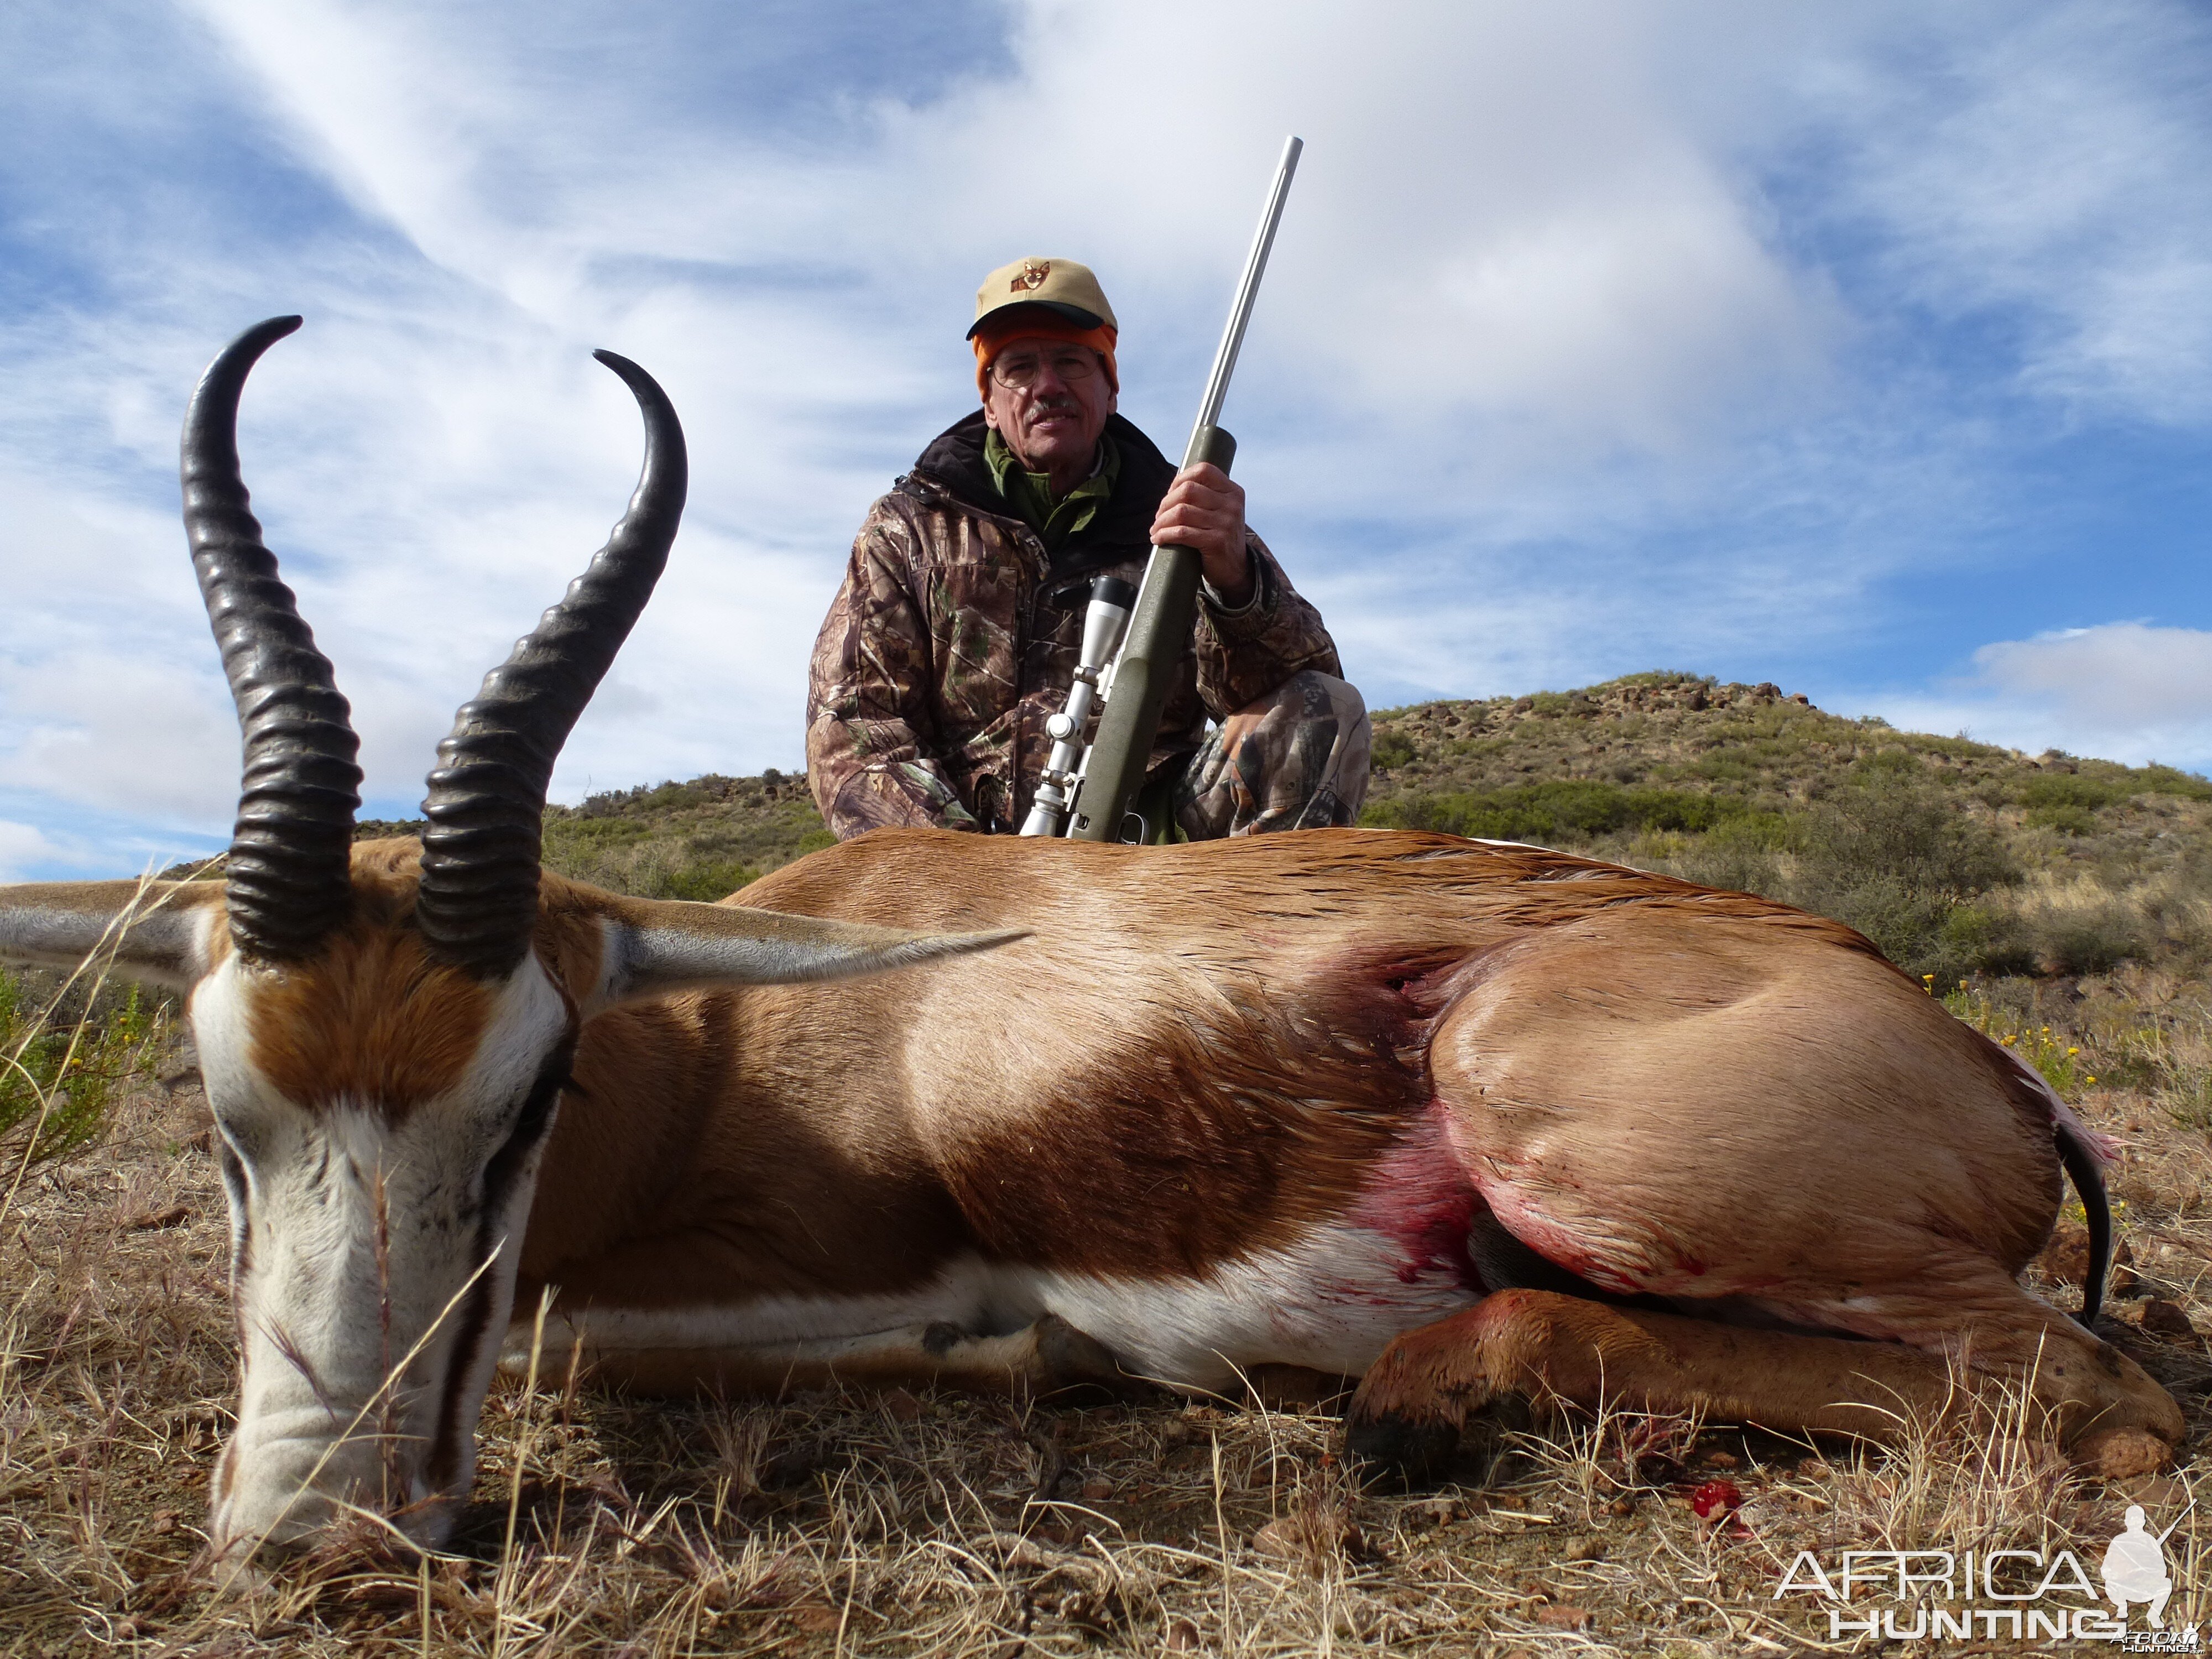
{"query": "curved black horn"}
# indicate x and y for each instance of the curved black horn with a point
(487, 801)
(286, 881)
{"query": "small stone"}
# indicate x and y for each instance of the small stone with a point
(1015, 1551)
(814, 1619)
(1181, 1636)
(1564, 1615)
(1312, 1537)
(1587, 1549)
(2065, 1260)
(1097, 1488)
(902, 1405)
(2164, 1318)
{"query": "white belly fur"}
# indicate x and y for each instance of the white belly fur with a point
(1331, 1302)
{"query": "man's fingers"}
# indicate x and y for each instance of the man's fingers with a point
(1194, 530)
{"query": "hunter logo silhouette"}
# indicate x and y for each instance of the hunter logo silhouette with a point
(2135, 1568)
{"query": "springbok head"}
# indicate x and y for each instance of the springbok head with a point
(385, 1039)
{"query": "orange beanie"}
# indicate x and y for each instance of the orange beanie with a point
(1036, 322)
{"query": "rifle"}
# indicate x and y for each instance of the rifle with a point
(1144, 639)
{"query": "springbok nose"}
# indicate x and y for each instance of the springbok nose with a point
(275, 1493)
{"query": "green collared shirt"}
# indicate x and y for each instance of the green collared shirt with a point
(1030, 494)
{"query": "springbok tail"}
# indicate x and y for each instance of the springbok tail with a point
(2078, 1151)
(2083, 1152)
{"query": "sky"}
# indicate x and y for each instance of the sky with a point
(1863, 347)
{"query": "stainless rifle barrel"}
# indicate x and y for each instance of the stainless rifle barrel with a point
(1256, 266)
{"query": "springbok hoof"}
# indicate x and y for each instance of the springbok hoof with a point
(1401, 1452)
(2121, 1454)
(1076, 1369)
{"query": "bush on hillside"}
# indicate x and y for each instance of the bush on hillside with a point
(1567, 812)
(62, 1065)
(1900, 859)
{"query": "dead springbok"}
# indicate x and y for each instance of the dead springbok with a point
(1483, 1123)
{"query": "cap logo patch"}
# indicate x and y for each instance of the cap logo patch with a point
(1030, 277)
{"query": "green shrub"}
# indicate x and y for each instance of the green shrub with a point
(1898, 860)
(2062, 790)
(1569, 812)
(1391, 749)
(58, 1081)
(2094, 941)
(1742, 855)
(705, 883)
(2067, 820)
(2171, 781)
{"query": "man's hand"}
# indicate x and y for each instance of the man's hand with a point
(1205, 510)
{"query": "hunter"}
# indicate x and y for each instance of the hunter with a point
(955, 633)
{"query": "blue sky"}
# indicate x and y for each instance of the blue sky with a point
(1863, 348)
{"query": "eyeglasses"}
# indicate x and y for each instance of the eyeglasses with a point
(1019, 369)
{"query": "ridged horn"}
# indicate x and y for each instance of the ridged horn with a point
(286, 882)
(478, 899)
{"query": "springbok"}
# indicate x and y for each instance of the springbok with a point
(1484, 1124)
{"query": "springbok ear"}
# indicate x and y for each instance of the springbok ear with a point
(657, 947)
(150, 930)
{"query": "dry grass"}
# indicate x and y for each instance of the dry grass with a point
(832, 1525)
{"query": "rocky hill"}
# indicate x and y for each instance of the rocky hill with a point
(1958, 857)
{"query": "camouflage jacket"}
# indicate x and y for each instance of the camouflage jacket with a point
(954, 639)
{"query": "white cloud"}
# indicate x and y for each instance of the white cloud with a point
(22, 846)
(2125, 691)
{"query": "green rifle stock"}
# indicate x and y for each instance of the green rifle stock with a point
(1167, 603)
(1159, 633)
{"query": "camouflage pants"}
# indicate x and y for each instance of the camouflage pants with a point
(1296, 759)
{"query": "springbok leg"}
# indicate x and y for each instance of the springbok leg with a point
(1048, 1357)
(1518, 1346)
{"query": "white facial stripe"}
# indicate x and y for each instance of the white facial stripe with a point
(527, 1019)
(362, 1231)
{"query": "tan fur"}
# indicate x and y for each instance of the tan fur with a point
(1202, 1051)
(373, 1020)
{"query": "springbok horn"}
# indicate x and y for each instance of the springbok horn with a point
(478, 900)
(286, 882)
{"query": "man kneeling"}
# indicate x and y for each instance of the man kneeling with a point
(955, 634)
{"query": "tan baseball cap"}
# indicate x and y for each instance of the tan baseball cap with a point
(1059, 285)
